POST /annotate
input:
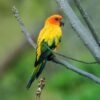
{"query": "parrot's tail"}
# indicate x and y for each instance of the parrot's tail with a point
(37, 71)
(31, 80)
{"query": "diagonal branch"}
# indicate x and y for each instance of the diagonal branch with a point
(87, 20)
(84, 34)
(22, 26)
(56, 59)
(76, 70)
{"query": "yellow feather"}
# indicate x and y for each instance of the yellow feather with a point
(48, 34)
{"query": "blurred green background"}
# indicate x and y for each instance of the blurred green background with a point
(17, 56)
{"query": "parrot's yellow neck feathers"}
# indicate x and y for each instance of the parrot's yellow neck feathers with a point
(54, 19)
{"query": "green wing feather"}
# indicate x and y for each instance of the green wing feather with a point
(45, 53)
(40, 63)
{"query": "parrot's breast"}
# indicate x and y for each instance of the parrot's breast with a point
(50, 35)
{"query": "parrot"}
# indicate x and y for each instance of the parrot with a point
(48, 40)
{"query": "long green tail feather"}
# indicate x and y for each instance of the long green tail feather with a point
(33, 77)
(37, 71)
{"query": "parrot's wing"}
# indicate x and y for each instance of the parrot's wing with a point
(46, 51)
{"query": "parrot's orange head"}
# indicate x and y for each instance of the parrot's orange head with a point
(55, 20)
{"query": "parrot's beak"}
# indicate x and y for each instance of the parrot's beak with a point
(61, 23)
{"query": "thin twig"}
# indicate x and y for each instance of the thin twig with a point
(62, 62)
(84, 34)
(77, 60)
(87, 20)
(70, 58)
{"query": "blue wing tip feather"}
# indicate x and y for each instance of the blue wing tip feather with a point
(28, 85)
(30, 82)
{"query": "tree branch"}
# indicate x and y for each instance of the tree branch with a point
(55, 59)
(22, 26)
(80, 29)
(76, 70)
(87, 20)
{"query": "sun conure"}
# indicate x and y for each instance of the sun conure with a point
(49, 38)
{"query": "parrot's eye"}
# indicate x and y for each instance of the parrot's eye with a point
(56, 19)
